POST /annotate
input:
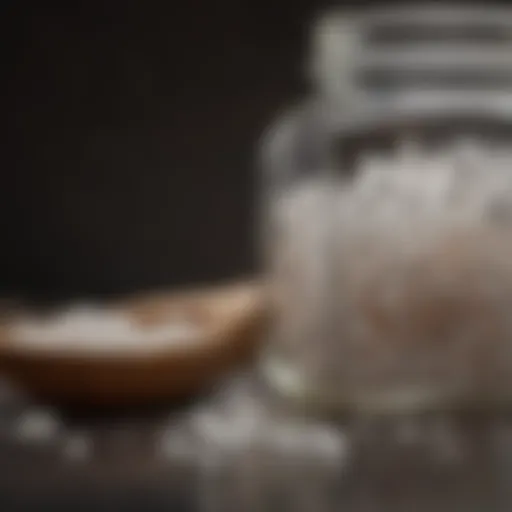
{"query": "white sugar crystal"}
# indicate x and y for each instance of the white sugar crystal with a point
(37, 426)
(230, 429)
(175, 444)
(77, 447)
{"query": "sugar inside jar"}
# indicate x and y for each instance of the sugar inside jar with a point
(393, 283)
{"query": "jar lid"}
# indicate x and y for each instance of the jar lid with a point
(378, 54)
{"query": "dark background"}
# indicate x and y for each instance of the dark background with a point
(132, 128)
(131, 136)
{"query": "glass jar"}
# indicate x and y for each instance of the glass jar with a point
(390, 299)
(436, 76)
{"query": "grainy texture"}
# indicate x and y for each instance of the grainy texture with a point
(399, 278)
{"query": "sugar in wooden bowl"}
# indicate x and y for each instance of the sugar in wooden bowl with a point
(136, 351)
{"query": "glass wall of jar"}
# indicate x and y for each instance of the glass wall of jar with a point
(389, 258)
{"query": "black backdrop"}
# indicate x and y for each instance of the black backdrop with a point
(128, 162)
(131, 131)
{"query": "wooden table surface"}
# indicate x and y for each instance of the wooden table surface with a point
(157, 460)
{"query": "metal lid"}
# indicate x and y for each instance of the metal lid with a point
(379, 53)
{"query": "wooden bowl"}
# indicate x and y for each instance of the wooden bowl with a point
(230, 319)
